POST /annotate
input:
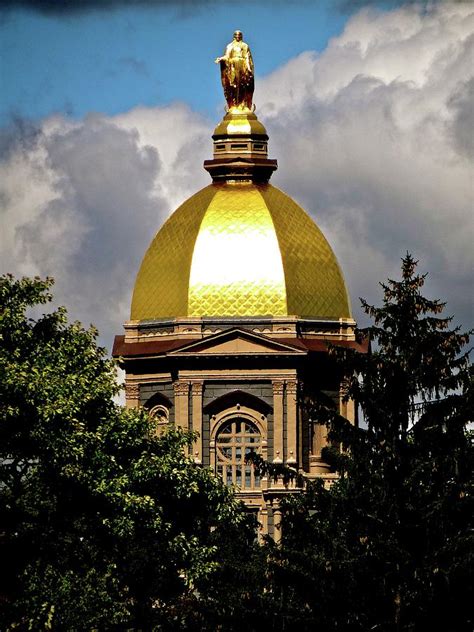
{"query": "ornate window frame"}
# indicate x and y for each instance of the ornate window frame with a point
(219, 420)
(161, 414)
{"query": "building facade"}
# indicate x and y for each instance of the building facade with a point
(234, 306)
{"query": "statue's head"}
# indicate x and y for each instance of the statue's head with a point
(238, 35)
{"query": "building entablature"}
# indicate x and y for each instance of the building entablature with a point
(193, 328)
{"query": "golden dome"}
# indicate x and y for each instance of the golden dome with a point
(239, 249)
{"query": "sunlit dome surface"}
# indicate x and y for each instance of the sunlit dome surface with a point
(239, 249)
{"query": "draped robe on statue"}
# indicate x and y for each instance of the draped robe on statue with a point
(237, 75)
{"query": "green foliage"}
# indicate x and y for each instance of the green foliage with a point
(275, 471)
(104, 523)
(390, 545)
(233, 598)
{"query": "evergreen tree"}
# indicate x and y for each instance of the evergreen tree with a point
(390, 545)
(104, 524)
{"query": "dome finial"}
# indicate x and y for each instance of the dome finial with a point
(240, 140)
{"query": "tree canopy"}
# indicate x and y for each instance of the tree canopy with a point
(390, 545)
(103, 522)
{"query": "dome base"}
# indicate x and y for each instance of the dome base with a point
(280, 327)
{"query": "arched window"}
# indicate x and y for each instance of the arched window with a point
(162, 417)
(236, 438)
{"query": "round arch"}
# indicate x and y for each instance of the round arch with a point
(235, 433)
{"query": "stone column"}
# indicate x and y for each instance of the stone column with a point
(277, 524)
(278, 386)
(291, 422)
(196, 393)
(132, 394)
(303, 434)
(347, 409)
(320, 439)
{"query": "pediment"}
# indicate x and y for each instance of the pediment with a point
(237, 342)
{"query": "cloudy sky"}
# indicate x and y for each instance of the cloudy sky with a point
(107, 110)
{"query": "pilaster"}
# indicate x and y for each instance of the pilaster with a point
(196, 397)
(278, 389)
(181, 403)
(291, 421)
(132, 394)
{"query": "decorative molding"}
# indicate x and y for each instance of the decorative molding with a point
(277, 458)
(181, 388)
(196, 388)
(278, 386)
(292, 387)
(244, 412)
(231, 374)
(161, 414)
(132, 390)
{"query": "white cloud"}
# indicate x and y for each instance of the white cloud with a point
(374, 137)
(80, 201)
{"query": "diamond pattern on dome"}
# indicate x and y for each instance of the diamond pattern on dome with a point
(314, 282)
(256, 299)
(281, 263)
(161, 288)
(237, 267)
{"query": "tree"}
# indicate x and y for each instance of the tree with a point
(103, 522)
(390, 545)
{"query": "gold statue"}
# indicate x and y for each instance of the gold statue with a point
(237, 74)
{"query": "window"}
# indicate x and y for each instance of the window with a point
(235, 439)
(161, 414)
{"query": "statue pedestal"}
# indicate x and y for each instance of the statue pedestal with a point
(240, 149)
